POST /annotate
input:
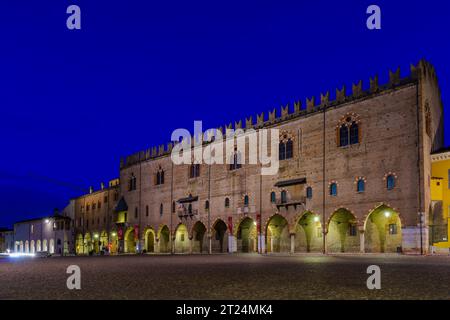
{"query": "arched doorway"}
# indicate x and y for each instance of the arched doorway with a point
(181, 239)
(164, 240)
(87, 243)
(199, 243)
(27, 247)
(113, 243)
(308, 233)
(220, 237)
(277, 232)
(96, 243)
(21, 246)
(79, 246)
(104, 240)
(149, 241)
(383, 231)
(44, 245)
(38, 246)
(32, 248)
(130, 241)
(246, 236)
(52, 246)
(343, 234)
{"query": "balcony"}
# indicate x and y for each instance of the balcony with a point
(296, 202)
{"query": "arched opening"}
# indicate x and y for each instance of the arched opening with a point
(277, 232)
(199, 245)
(164, 240)
(149, 240)
(21, 246)
(87, 243)
(130, 241)
(44, 245)
(32, 248)
(343, 234)
(51, 248)
(181, 239)
(383, 231)
(38, 246)
(104, 241)
(96, 242)
(113, 242)
(308, 233)
(27, 247)
(219, 241)
(246, 236)
(79, 247)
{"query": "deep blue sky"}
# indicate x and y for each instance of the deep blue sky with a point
(73, 102)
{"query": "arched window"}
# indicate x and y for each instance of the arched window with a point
(132, 183)
(207, 205)
(146, 211)
(333, 189)
(173, 206)
(227, 202)
(190, 208)
(343, 136)
(283, 196)
(273, 197)
(390, 182)
(161, 209)
(246, 200)
(159, 177)
(354, 133)
(360, 185)
(309, 192)
(135, 213)
(285, 148)
(236, 161)
(194, 170)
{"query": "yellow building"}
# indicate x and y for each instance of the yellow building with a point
(440, 199)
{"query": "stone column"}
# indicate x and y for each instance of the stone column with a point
(232, 245)
(292, 243)
(361, 241)
(261, 244)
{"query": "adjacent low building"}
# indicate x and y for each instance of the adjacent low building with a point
(6, 240)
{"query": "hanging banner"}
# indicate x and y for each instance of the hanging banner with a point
(230, 224)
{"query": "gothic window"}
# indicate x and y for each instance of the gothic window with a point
(286, 148)
(273, 197)
(309, 192)
(283, 196)
(227, 202)
(159, 179)
(390, 182)
(246, 200)
(132, 183)
(333, 189)
(236, 161)
(161, 210)
(207, 205)
(360, 185)
(194, 170)
(348, 131)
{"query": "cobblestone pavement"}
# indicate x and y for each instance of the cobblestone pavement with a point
(245, 276)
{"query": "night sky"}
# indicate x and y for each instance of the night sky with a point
(74, 101)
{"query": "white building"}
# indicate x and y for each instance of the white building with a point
(49, 234)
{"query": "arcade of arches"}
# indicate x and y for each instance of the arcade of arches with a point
(380, 232)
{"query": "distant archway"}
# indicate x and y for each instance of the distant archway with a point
(343, 234)
(383, 230)
(79, 246)
(149, 240)
(130, 241)
(44, 245)
(164, 240)
(113, 242)
(27, 247)
(181, 239)
(277, 232)
(52, 246)
(246, 236)
(38, 246)
(199, 244)
(308, 233)
(87, 243)
(104, 240)
(219, 241)
(32, 247)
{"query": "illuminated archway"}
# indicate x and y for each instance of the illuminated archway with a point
(383, 231)
(219, 241)
(246, 236)
(96, 242)
(51, 248)
(113, 242)
(38, 246)
(164, 240)
(149, 245)
(44, 245)
(32, 247)
(308, 233)
(79, 246)
(199, 243)
(277, 232)
(130, 241)
(343, 234)
(104, 240)
(181, 239)
(27, 246)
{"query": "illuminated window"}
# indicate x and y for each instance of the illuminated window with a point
(333, 189)
(390, 182)
(360, 185)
